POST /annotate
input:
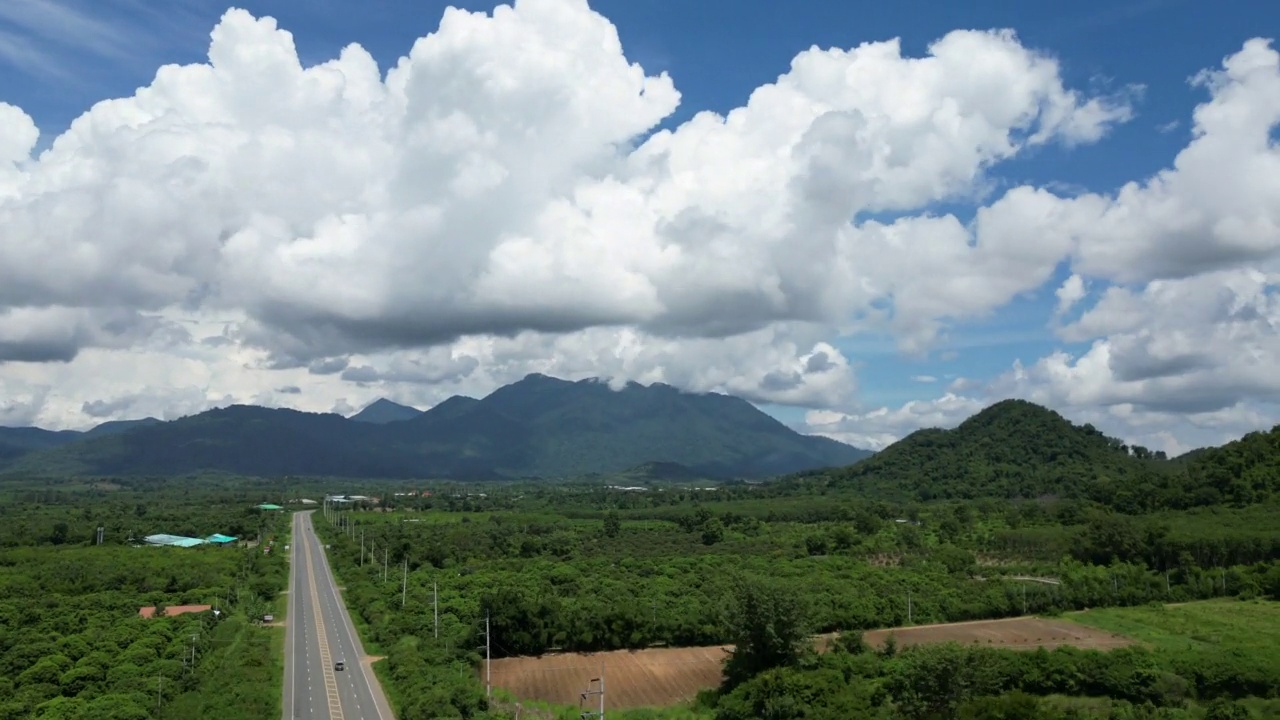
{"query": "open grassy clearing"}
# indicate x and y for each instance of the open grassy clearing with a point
(1248, 627)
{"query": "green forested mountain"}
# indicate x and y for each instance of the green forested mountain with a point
(1241, 472)
(1017, 449)
(240, 439)
(383, 411)
(19, 441)
(1011, 449)
(544, 426)
(15, 442)
(539, 426)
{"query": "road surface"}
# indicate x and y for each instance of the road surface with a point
(319, 633)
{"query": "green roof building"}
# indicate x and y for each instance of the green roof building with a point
(219, 539)
(269, 506)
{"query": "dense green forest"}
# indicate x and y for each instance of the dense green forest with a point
(587, 569)
(1016, 449)
(72, 643)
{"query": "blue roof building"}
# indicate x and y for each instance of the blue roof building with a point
(173, 540)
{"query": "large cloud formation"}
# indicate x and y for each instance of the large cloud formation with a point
(499, 202)
(1185, 336)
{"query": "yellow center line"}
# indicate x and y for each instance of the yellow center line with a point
(326, 663)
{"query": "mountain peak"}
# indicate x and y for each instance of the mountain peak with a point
(383, 411)
(539, 379)
(1013, 448)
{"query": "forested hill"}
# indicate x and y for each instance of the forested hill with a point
(1017, 449)
(537, 427)
(1012, 449)
(1241, 472)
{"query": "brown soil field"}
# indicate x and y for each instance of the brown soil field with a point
(1024, 633)
(661, 677)
(657, 677)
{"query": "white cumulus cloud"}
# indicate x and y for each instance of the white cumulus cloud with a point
(251, 229)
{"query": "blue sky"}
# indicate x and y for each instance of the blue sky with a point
(59, 57)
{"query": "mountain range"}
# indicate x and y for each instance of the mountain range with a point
(536, 427)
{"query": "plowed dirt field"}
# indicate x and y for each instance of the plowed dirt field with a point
(660, 677)
(657, 677)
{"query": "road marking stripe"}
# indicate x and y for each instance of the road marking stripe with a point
(330, 682)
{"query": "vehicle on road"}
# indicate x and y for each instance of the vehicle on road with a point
(339, 665)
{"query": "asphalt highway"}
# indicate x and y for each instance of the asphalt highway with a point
(319, 633)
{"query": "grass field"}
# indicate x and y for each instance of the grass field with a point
(1229, 647)
(1247, 627)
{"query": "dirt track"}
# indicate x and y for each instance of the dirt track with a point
(661, 677)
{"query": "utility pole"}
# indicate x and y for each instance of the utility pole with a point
(435, 605)
(488, 660)
(361, 548)
(404, 589)
(384, 565)
(1223, 572)
(589, 692)
(908, 607)
(193, 652)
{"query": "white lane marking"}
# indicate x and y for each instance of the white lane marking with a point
(347, 630)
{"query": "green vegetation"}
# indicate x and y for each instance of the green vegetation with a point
(1014, 512)
(1015, 449)
(585, 568)
(539, 426)
(626, 570)
(72, 643)
(1223, 647)
(955, 681)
